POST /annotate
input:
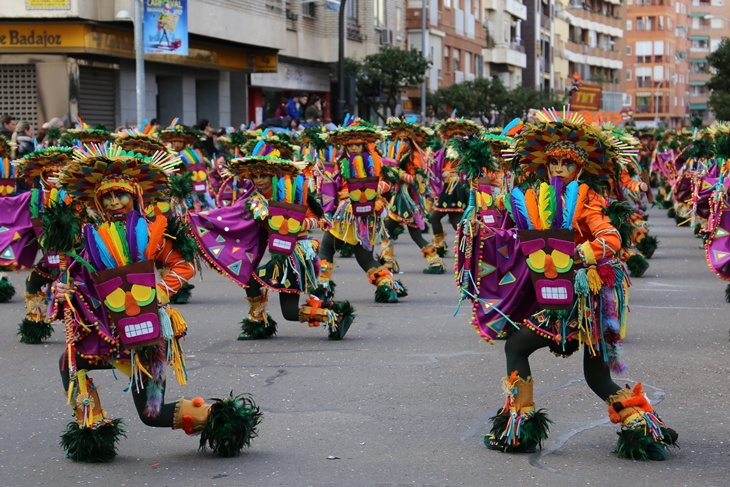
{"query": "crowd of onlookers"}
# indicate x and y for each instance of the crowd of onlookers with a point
(299, 112)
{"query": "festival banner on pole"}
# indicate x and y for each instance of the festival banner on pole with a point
(166, 27)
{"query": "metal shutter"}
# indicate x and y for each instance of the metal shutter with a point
(97, 96)
(18, 92)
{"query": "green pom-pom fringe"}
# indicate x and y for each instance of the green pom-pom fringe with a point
(346, 315)
(637, 265)
(181, 185)
(61, 228)
(648, 246)
(231, 425)
(620, 215)
(533, 433)
(7, 291)
(397, 232)
(635, 444)
(434, 270)
(385, 294)
(257, 330)
(325, 293)
(671, 213)
(34, 332)
(347, 250)
(183, 295)
(182, 241)
(92, 445)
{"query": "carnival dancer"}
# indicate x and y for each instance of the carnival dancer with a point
(278, 214)
(361, 210)
(453, 193)
(40, 170)
(407, 193)
(568, 247)
(115, 309)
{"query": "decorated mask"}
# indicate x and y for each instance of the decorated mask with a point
(7, 187)
(549, 256)
(130, 295)
(284, 225)
(363, 192)
(200, 178)
(489, 214)
(53, 260)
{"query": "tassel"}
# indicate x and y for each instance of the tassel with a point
(581, 286)
(594, 280)
(607, 274)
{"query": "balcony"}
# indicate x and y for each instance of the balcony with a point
(593, 56)
(544, 21)
(510, 54)
(596, 17)
(516, 9)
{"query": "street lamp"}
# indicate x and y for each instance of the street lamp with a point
(138, 23)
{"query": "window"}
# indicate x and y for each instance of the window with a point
(308, 9)
(447, 3)
(467, 62)
(399, 25)
(456, 60)
(628, 50)
(446, 58)
(379, 13)
(661, 22)
(628, 25)
(628, 75)
(351, 12)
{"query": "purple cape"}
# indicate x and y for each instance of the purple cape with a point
(18, 246)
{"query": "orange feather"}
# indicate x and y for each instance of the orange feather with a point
(582, 196)
(532, 211)
(157, 228)
(107, 239)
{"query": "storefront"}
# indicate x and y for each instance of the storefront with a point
(57, 69)
(268, 89)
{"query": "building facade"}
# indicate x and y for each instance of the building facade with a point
(657, 61)
(708, 24)
(89, 68)
(504, 54)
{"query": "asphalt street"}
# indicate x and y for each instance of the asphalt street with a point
(403, 400)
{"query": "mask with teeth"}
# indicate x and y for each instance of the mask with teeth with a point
(199, 178)
(363, 192)
(284, 223)
(53, 260)
(7, 187)
(130, 296)
(549, 256)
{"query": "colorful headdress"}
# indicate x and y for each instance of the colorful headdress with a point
(356, 131)
(98, 169)
(268, 141)
(139, 142)
(556, 135)
(400, 128)
(179, 133)
(457, 127)
(503, 138)
(36, 166)
(264, 160)
(548, 209)
(624, 145)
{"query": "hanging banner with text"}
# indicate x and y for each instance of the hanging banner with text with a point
(166, 27)
(587, 97)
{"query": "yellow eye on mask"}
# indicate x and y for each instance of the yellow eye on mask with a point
(276, 221)
(143, 294)
(115, 300)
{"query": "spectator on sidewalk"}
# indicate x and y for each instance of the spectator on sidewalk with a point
(314, 112)
(8, 126)
(281, 110)
(23, 139)
(294, 107)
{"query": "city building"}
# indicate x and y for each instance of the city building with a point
(595, 47)
(537, 37)
(657, 61)
(708, 25)
(311, 48)
(76, 58)
(504, 54)
(454, 42)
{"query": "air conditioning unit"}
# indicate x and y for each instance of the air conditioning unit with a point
(386, 37)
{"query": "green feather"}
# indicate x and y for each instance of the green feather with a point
(61, 228)
(34, 332)
(181, 185)
(475, 155)
(92, 445)
(231, 425)
(7, 291)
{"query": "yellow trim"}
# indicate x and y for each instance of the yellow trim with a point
(588, 253)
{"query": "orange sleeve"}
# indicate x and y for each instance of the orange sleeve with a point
(180, 270)
(600, 239)
(628, 182)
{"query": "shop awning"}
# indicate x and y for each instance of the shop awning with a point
(699, 38)
(698, 106)
(697, 83)
(698, 60)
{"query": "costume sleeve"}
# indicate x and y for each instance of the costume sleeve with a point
(179, 271)
(628, 182)
(310, 221)
(604, 240)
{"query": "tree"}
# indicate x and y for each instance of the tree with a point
(720, 81)
(382, 77)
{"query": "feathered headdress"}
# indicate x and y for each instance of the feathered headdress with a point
(400, 128)
(35, 167)
(132, 140)
(565, 135)
(457, 127)
(355, 131)
(549, 208)
(179, 133)
(264, 160)
(97, 169)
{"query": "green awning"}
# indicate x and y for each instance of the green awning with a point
(697, 83)
(698, 14)
(698, 106)
(698, 60)
(699, 38)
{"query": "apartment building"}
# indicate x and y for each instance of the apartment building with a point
(454, 41)
(658, 61)
(537, 37)
(504, 54)
(709, 23)
(595, 46)
(311, 46)
(89, 68)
